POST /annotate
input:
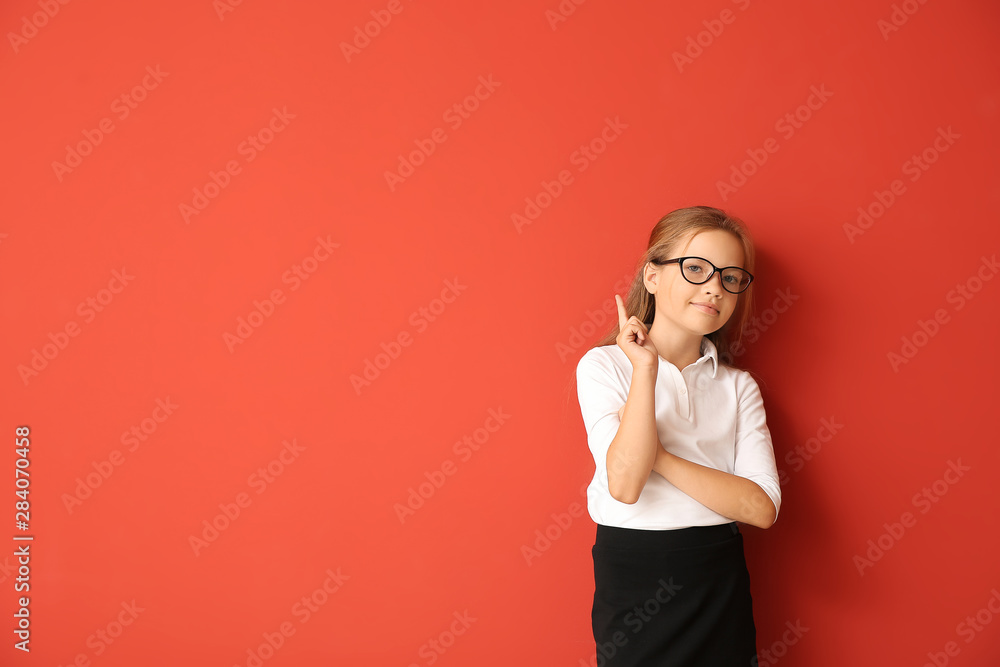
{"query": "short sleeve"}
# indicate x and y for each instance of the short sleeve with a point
(754, 451)
(602, 394)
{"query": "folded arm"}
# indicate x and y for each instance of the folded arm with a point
(732, 496)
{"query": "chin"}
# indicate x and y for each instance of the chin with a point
(712, 327)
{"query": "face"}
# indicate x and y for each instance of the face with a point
(677, 300)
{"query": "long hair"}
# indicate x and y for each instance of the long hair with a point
(667, 235)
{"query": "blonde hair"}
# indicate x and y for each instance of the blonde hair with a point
(668, 234)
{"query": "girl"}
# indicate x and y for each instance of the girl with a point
(682, 452)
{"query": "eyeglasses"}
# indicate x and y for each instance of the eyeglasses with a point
(698, 271)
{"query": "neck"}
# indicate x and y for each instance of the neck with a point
(679, 347)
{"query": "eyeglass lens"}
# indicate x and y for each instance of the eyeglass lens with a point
(697, 271)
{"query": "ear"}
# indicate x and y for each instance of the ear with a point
(651, 276)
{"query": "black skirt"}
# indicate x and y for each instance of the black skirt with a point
(672, 598)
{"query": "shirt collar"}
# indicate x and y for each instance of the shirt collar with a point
(708, 350)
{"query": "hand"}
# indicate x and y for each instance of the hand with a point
(633, 339)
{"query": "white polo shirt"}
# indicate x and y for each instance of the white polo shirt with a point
(708, 413)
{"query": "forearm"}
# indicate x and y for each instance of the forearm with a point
(633, 451)
(732, 496)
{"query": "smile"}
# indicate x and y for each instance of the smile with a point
(706, 309)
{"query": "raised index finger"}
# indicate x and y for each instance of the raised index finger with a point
(622, 315)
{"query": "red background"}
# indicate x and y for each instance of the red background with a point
(507, 342)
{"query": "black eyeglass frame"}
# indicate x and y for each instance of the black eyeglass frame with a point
(680, 262)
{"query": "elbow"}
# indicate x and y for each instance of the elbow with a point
(628, 500)
(769, 516)
(620, 495)
(763, 523)
(759, 510)
(620, 485)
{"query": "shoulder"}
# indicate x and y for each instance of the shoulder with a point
(731, 374)
(746, 388)
(607, 357)
(602, 372)
(741, 381)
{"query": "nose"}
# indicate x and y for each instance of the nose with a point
(715, 283)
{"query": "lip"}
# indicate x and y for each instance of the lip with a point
(705, 308)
